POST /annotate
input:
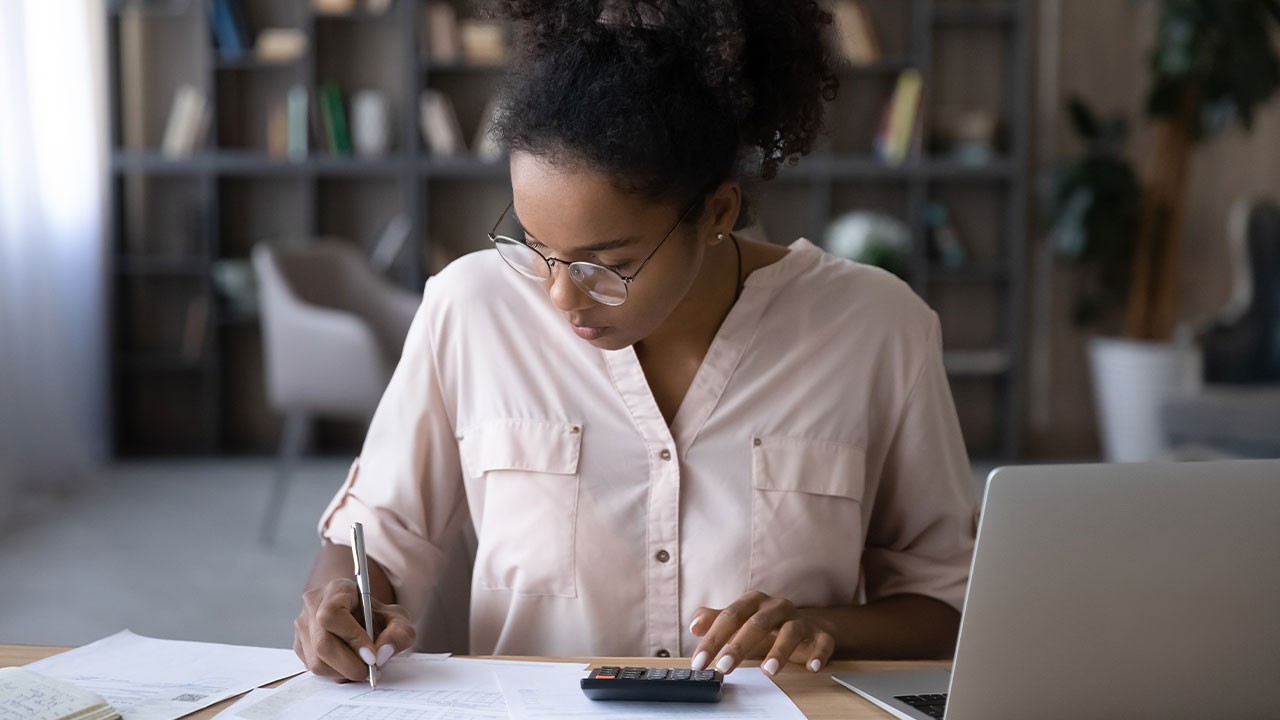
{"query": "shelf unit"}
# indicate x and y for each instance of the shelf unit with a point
(174, 220)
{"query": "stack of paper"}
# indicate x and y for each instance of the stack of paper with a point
(147, 679)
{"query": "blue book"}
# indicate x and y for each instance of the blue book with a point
(240, 24)
(224, 31)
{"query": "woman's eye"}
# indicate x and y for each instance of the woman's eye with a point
(535, 244)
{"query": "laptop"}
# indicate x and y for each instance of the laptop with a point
(1112, 591)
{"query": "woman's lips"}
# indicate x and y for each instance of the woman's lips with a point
(589, 333)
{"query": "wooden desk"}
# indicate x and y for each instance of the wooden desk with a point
(816, 694)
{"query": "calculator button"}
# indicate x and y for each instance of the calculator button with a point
(681, 674)
(657, 674)
(704, 675)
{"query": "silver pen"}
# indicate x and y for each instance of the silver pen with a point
(366, 592)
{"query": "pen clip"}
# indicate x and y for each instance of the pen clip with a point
(357, 545)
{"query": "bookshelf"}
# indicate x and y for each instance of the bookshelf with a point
(176, 221)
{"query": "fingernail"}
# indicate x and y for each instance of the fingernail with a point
(384, 653)
(725, 664)
(771, 666)
(700, 660)
(368, 657)
(815, 664)
(695, 622)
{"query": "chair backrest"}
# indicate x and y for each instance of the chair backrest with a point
(1243, 346)
(332, 329)
(332, 273)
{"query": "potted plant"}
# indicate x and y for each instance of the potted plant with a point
(1213, 64)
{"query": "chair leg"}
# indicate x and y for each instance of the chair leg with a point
(294, 440)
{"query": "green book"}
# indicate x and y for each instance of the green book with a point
(335, 120)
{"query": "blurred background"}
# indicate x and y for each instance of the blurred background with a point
(216, 217)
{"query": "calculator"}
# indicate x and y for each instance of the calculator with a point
(653, 684)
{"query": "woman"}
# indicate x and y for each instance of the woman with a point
(671, 440)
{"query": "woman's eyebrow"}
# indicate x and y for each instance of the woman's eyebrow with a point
(594, 247)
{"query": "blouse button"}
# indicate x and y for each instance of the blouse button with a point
(663, 653)
(663, 556)
(756, 442)
(665, 454)
(575, 430)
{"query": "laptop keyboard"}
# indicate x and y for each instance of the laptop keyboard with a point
(932, 705)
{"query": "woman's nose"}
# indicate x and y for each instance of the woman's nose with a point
(565, 293)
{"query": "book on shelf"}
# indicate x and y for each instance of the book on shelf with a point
(900, 123)
(188, 119)
(230, 28)
(297, 119)
(278, 130)
(333, 7)
(194, 328)
(855, 34)
(440, 127)
(335, 121)
(32, 696)
(440, 33)
(280, 45)
(483, 42)
(346, 7)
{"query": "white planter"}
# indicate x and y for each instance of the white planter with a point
(1130, 381)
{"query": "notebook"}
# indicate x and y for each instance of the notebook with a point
(27, 695)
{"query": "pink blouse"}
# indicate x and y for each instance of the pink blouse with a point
(816, 457)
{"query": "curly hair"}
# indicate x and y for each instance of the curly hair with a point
(667, 97)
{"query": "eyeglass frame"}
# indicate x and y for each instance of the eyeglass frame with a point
(552, 261)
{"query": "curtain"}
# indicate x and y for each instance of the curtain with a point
(53, 157)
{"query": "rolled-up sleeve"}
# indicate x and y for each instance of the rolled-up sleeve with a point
(921, 535)
(406, 486)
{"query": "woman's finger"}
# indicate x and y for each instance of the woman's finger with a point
(791, 635)
(724, 627)
(756, 629)
(702, 619)
(397, 635)
(824, 645)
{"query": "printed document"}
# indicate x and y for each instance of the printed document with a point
(148, 679)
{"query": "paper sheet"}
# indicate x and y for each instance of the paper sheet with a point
(747, 695)
(149, 679)
(411, 687)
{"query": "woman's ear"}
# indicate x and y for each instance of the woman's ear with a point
(723, 206)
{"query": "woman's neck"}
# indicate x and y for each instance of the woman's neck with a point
(691, 327)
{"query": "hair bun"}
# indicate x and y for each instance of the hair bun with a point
(749, 73)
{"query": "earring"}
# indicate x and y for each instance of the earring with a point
(720, 237)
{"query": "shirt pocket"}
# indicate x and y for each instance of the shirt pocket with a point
(527, 474)
(806, 519)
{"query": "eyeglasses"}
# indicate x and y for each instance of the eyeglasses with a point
(603, 284)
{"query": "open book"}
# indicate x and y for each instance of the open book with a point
(27, 695)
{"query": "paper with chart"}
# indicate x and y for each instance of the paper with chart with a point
(149, 679)
(747, 695)
(410, 687)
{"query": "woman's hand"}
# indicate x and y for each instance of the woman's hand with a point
(758, 625)
(330, 641)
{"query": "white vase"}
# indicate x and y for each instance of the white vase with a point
(1131, 380)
